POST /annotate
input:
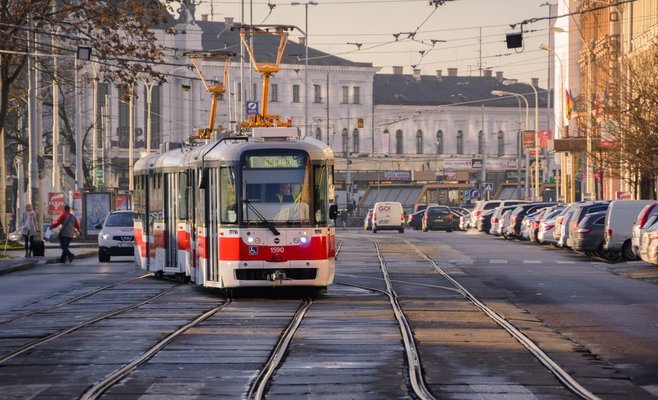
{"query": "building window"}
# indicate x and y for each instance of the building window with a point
(318, 134)
(480, 142)
(295, 93)
(274, 92)
(439, 142)
(356, 95)
(355, 140)
(345, 142)
(239, 92)
(317, 94)
(398, 142)
(501, 143)
(254, 91)
(346, 95)
(419, 142)
(460, 142)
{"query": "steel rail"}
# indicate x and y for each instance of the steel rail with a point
(101, 386)
(257, 388)
(413, 359)
(563, 376)
(73, 300)
(40, 341)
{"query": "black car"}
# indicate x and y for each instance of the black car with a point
(588, 235)
(415, 220)
(437, 218)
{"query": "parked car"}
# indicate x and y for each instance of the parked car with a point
(116, 237)
(484, 221)
(516, 218)
(457, 214)
(579, 212)
(588, 235)
(480, 207)
(497, 217)
(367, 221)
(388, 215)
(619, 224)
(415, 220)
(437, 218)
(545, 232)
(563, 236)
(645, 219)
(547, 213)
(559, 222)
(649, 244)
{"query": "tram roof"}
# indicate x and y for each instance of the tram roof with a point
(145, 163)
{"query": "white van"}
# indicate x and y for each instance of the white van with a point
(388, 215)
(619, 225)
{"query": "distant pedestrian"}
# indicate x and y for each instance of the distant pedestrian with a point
(70, 225)
(343, 218)
(28, 228)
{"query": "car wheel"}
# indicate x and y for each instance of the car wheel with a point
(608, 255)
(401, 230)
(449, 230)
(374, 229)
(627, 251)
(103, 256)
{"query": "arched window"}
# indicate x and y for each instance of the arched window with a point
(439, 142)
(501, 143)
(419, 142)
(460, 142)
(318, 134)
(345, 141)
(355, 140)
(398, 142)
(481, 142)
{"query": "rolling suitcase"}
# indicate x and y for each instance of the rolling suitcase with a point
(38, 248)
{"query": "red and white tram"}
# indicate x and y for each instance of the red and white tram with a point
(216, 214)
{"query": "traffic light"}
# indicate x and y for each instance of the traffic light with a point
(359, 122)
(514, 40)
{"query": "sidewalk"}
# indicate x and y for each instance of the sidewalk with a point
(14, 260)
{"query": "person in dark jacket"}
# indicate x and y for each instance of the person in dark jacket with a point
(70, 225)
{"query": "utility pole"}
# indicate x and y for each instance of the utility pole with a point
(34, 133)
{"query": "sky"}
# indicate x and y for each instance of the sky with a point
(463, 34)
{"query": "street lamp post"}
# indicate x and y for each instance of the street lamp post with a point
(306, 4)
(511, 82)
(518, 162)
(564, 173)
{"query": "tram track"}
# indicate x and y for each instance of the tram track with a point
(560, 373)
(55, 335)
(72, 300)
(98, 388)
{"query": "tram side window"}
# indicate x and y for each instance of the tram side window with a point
(183, 193)
(227, 196)
(320, 194)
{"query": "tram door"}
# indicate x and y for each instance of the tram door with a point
(212, 207)
(171, 217)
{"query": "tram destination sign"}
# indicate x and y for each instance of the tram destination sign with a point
(276, 161)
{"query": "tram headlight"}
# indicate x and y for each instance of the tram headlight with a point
(250, 239)
(303, 239)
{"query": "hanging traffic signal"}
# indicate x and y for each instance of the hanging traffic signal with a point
(359, 122)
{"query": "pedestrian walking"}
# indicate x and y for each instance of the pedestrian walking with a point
(28, 228)
(343, 218)
(70, 225)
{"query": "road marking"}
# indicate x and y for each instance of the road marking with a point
(532, 261)
(565, 262)
(497, 261)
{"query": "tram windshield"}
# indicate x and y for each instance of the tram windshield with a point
(277, 188)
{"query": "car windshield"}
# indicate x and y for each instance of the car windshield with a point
(119, 219)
